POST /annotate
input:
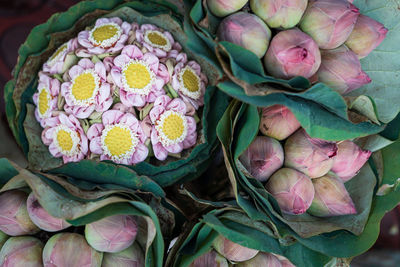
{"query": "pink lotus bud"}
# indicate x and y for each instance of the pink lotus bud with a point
(41, 218)
(341, 70)
(246, 30)
(349, 160)
(292, 53)
(70, 250)
(331, 198)
(329, 22)
(312, 156)
(14, 219)
(232, 251)
(367, 35)
(263, 157)
(22, 251)
(284, 14)
(278, 122)
(210, 259)
(222, 8)
(262, 260)
(292, 190)
(111, 234)
(284, 261)
(129, 257)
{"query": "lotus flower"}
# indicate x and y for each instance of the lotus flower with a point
(111, 234)
(292, 53)
(130, 65)
(62, 59)
(210, 259)
(349, 160)
(190, 83)
(108, 35)
(263, 157)
(119, 138)
(341, 70)
(70, 250)
(88, 89)
(278, 122)
(232, 251)
(3, 239)
(65, 137)
(284, 14)
(172, 131)
(331, 198)
(22, 251)
(284, 261)
(129, 257)
(328, 22)
(262, 259)
(367, 35)
(292, 190)
(314, 157)
(246, 30)
(14, 218)
(157, 41)
(46, 97)
(41, 218)
(222, 8)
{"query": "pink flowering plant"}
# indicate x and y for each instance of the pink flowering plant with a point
(131, 95)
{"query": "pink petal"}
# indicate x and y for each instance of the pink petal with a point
(140, 154)
(191, 124)
(80, 112)
(95, 145)
(162, 101)
(155, 113)
(111, 117)
(177, 105)
(116, 20)
(97, 50)
(95, 131)
(131, 99)
(146, 126)
(163, 73)
(54, 150)
(83, 39)
(75, 71)
(100, 70)
(176, 148)
(132, 51)
(126, 27)
(130, 120)
(190, 140)
(159, 152)
(102, 21)
(86, 63)
(54, 87)
(152, 60)
(117, 76)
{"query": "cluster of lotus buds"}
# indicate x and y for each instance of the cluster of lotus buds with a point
(321, 40)
(225, 252)
(122, 92)
(302, 173)
(24, 222)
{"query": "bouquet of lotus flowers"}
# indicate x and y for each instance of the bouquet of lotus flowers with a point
(46, 221)
(332, 63)
(117, 86)
(317, 192)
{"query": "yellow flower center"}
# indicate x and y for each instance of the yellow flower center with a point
(118, 141)
(43, 102)
(84, 87)
(171, 127)
(104, 32)
(105, 35)
(189, 83)
(58, 52)
(64, 140)
(138, 77)
(157, 39)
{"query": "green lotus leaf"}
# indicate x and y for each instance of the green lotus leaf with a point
(232, 223)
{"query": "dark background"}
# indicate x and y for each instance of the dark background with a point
(18, 17)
